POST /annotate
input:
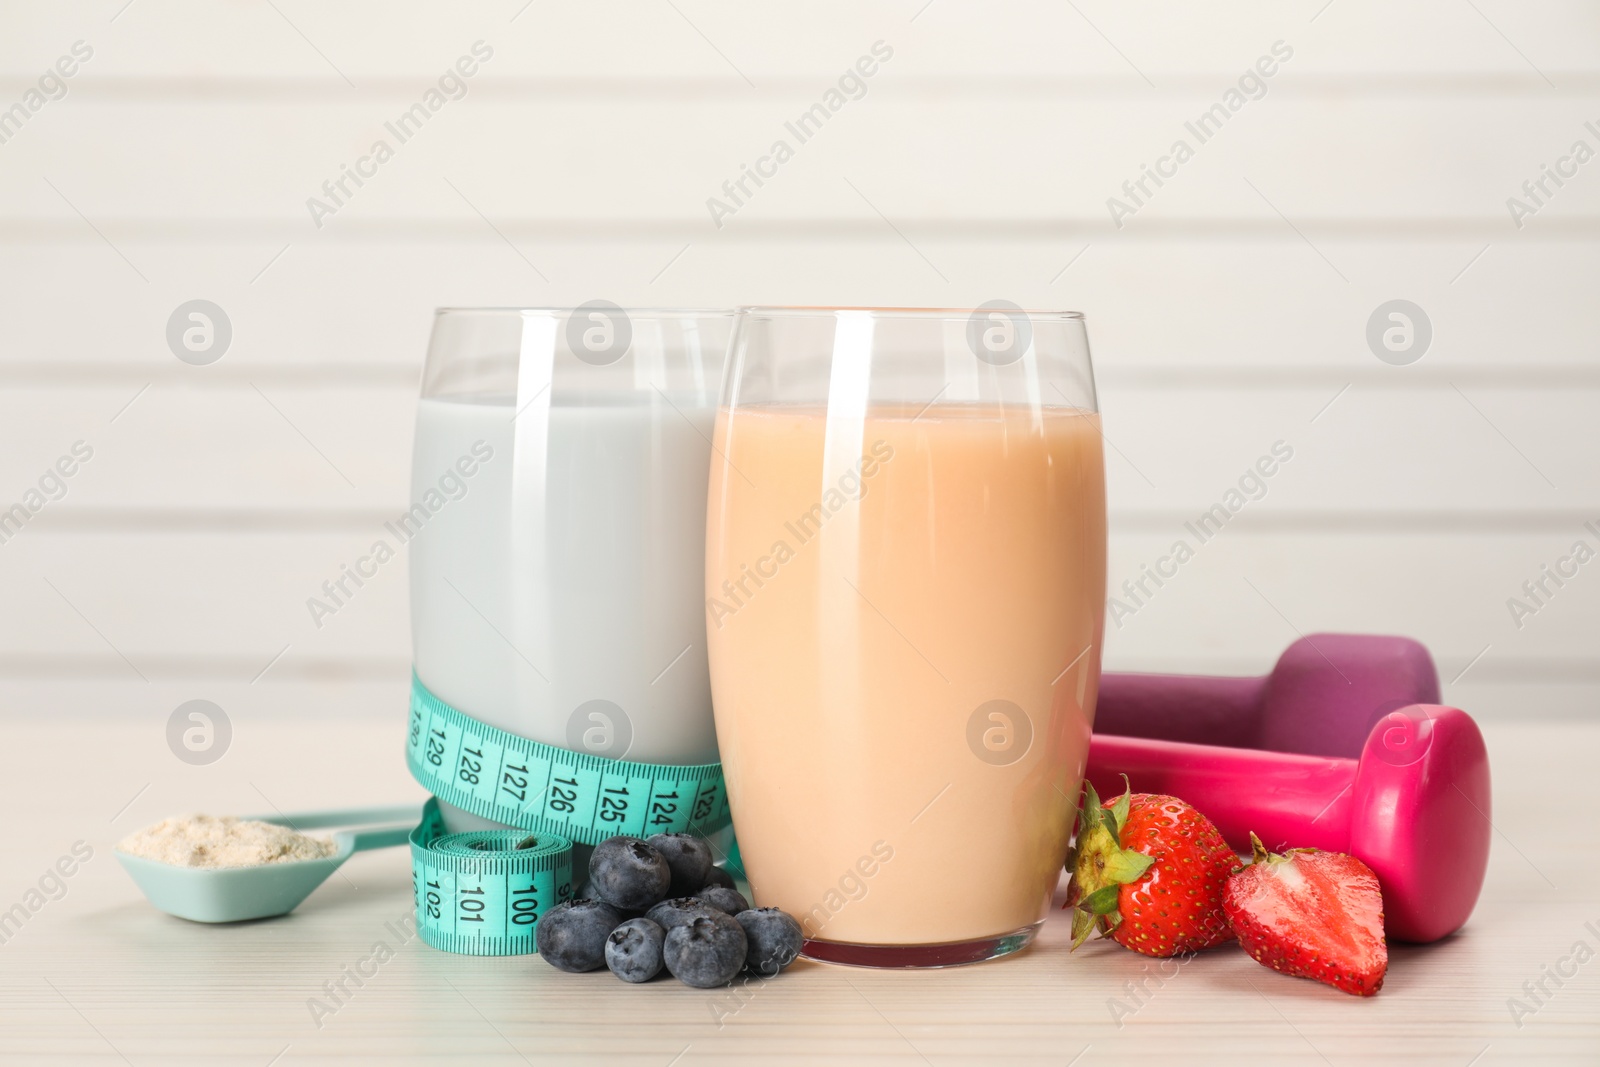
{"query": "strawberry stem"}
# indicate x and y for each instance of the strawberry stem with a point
(1100, 865)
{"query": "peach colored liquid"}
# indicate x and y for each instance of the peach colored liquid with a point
(873, 584)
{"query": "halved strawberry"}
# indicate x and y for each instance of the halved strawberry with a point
(1148, 870)
(1311, 914)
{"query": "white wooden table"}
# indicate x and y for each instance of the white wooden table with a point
(97, 976)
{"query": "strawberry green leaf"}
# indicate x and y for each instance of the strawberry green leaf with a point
(1120, 808)
(1109, 821)
(1083, 924)
(1091, 799)
(1102, 901)
(1127, 866)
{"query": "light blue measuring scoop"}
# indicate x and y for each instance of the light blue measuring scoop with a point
(233, 894)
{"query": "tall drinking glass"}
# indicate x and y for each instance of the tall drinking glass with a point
(905, 581)
(558, 524)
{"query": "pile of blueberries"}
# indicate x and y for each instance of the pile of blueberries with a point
(661, 903)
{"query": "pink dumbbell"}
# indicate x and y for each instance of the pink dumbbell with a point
(1411, 800)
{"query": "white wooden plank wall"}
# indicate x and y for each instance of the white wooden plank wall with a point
(1228, 313)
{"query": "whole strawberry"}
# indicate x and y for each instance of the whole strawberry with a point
(1311, 914)
(1148, 871)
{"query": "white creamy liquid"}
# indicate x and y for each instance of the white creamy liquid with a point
(570, 571)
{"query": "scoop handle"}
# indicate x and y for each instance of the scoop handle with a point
(320, 820)
(378, 837)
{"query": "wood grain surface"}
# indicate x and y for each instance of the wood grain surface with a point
(100, 977)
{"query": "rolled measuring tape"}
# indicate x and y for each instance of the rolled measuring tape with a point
(473, 889)
(481, 892)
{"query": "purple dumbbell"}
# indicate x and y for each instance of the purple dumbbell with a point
(1321, 699)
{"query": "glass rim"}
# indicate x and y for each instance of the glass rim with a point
(659, 313)
(799, 310)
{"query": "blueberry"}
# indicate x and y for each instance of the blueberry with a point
(706, 952)
(627, 873)
(690, 859)
(724, 899)
(587, 890)
(774, 939)
(678, 911)
(572, 936)
(633, 951)
(718, 876)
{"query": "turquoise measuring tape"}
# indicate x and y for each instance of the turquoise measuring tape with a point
(481, 893)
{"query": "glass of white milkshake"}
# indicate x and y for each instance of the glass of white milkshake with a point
(557, 527)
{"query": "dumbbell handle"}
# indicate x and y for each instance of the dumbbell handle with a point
(1181, 707)
(1286, 799)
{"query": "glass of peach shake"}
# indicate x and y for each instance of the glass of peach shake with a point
(905, 580)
